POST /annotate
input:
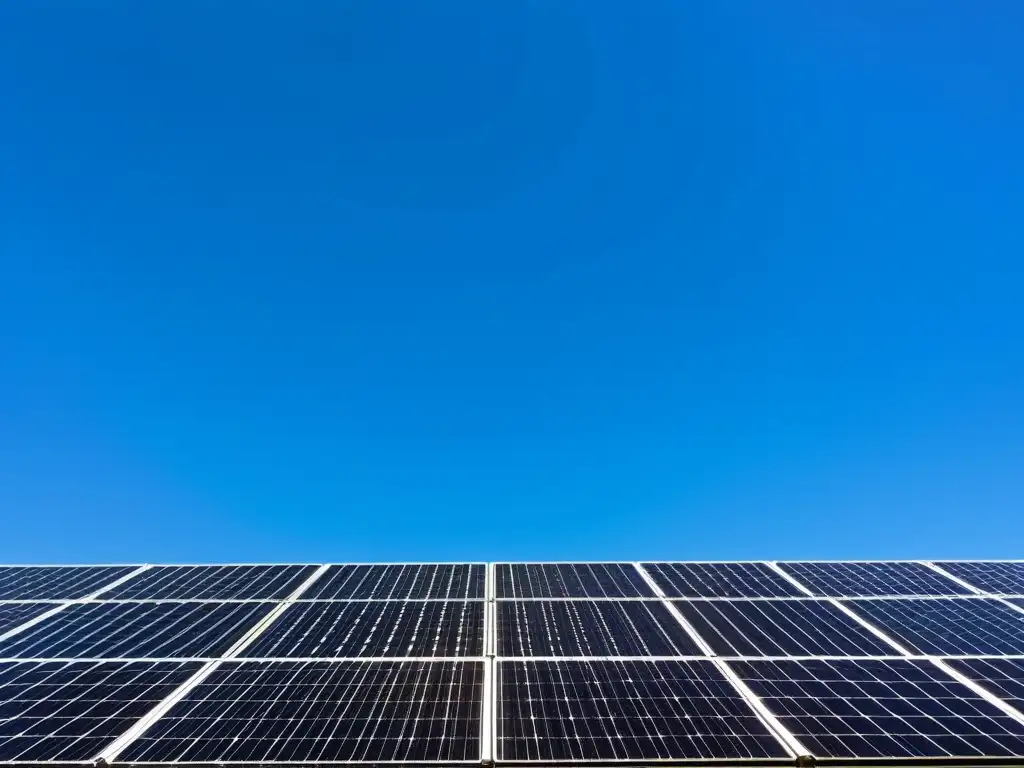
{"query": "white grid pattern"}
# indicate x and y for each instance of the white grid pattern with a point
(870, 708)
(35, 582)
(69, 711)
(725, 580)
(517, 581)
(870, 579)
(429, 581)
(994, 577)
(950, 627)
(375, 629)
(584, 595)
(589, 628)
(625, 711)
(298, 712)
(92, 630)
(213, 582)
(779, 628)
(1004, 676)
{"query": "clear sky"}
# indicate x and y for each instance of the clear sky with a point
(362, 280)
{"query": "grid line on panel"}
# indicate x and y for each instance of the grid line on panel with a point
(779, 628)
(992, 576)
(519, 581)
(1002, 676)
(15, 614)
(322, 712)
(214, 582)
(881, 709)
(871, 579)
(410, 581)
(128, 630)
(68, 711)
(374, 629)
(625, 711)
(57, 582)
(589, 628)
(719, 580)
(969, 627)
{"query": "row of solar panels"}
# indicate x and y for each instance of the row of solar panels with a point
(515, 581)
(317, 681)
(630, 711)
(529, 628)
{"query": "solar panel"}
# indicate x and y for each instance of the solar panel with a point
(1004, 578)
(365, 629)
(624, 711)
(213, 582)
(54, 582)
(287, 712)
(779, 628)
(15, 614)
(881, 709)
(533, 580)
(590, 628)
(872, 579)
(1003, 677)
(69, 711)
(136, 630)
(578, 663)
(720, 580)
(950, 627)
(399, 582)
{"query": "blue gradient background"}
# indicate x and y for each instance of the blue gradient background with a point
(468, 280)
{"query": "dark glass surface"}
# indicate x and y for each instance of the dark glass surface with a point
(134, 630)
(15, 614)
(213, 582)
(323, 711)
(1003, 677)
(1006, 577)
(362, 629)
(881, 709)
(56, 582)
(624, 710)
(870, 579)
(779, 628)
(590, 628)
(959, 626)
(720, 580)
(399, 582)
(525, 580)
(71, 711)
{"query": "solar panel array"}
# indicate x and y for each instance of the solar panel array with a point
(512, 663)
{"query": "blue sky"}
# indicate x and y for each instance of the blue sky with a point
(460, 280)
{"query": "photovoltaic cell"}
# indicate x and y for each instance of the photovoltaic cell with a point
(779, 628)
(323, 712)
(871, 579)
(1005, 578)
(590, 628)
(720, 580)
(362, 629)
(29, 582)
(399, 582)
(136, 630)
(881, 709)
(213, 582)
(70, 711)
(1003, 677)
(948, 627)
(624, 711)
(529, 580)
(15, 614)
